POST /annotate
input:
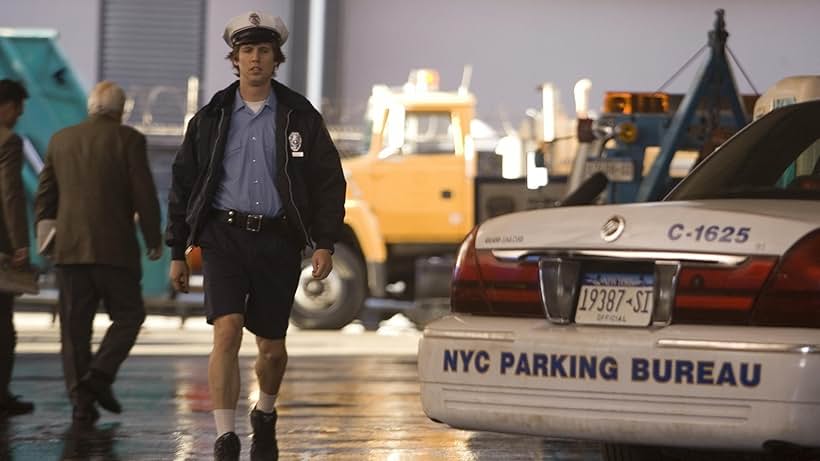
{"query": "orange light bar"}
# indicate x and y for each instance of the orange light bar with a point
(624, 102)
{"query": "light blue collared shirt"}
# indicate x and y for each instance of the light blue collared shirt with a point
(250, 161)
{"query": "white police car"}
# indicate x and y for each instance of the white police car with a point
(691, 322)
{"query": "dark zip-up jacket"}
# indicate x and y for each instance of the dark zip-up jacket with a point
(311, 182)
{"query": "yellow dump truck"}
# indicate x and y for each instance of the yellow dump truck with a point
(424, 181)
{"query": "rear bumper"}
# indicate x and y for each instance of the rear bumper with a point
(695, 386)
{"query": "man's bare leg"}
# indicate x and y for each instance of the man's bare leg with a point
(270, 368)
(270, 364)
(223, 370)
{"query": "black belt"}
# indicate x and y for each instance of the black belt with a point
(253, 222)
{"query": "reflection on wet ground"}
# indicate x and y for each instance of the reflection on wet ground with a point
(331, 407)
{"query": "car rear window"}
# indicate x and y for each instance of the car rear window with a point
(774, 157)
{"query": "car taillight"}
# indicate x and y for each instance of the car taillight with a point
(710, 294)
(483, 284)
(467, 289)
(792, 295)
(511, 286)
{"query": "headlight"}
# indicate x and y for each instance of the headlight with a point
(627, 132)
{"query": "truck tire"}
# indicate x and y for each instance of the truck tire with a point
(334, 302)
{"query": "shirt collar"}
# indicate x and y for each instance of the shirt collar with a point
(239, 103)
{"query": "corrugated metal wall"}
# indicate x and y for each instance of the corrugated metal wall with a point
(151, 47)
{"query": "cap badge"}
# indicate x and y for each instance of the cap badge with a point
(613, 228)
(254, 19)
(295, 140)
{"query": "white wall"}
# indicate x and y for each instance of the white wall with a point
(218, 72)
(77, 21)
(516, 44)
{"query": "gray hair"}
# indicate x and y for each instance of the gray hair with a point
(106, 98)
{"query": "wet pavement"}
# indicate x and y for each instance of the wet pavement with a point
(346, 396)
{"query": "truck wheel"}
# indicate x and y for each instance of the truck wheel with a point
(334, 302)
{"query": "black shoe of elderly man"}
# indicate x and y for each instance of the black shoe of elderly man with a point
(99, 385)
(84, 413)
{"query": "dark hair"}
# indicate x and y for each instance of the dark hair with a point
(278, 56)
(12, 91)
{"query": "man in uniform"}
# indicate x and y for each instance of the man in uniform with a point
(96, 182)
(13, 233)
(256, 179)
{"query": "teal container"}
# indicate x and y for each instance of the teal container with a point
(56, 100)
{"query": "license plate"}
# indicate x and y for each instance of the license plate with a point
(616, 170)
(607, 298)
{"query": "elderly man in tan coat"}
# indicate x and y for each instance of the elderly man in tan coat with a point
(96, 182)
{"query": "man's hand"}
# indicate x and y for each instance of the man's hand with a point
(154, 253)
(179, 274)
(322, 263)
(20, 258)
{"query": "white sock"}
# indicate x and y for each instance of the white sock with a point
(225, 421)
(266, 402)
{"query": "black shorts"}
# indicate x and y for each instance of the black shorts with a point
(250, 273)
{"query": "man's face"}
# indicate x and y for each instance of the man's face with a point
(10, 111)
(256, 63)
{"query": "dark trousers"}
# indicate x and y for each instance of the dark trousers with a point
(82, 287)
(8, 341)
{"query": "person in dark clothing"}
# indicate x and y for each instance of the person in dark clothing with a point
(95, 183)
(13, 233)
(256, 180)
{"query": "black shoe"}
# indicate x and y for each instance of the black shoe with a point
(263, 442)
(85, 415)
(226, 447)
(100, 386)
(11, 405)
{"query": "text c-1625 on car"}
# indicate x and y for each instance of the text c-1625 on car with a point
(693, 322)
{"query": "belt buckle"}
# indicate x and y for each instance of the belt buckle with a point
(254, 222)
